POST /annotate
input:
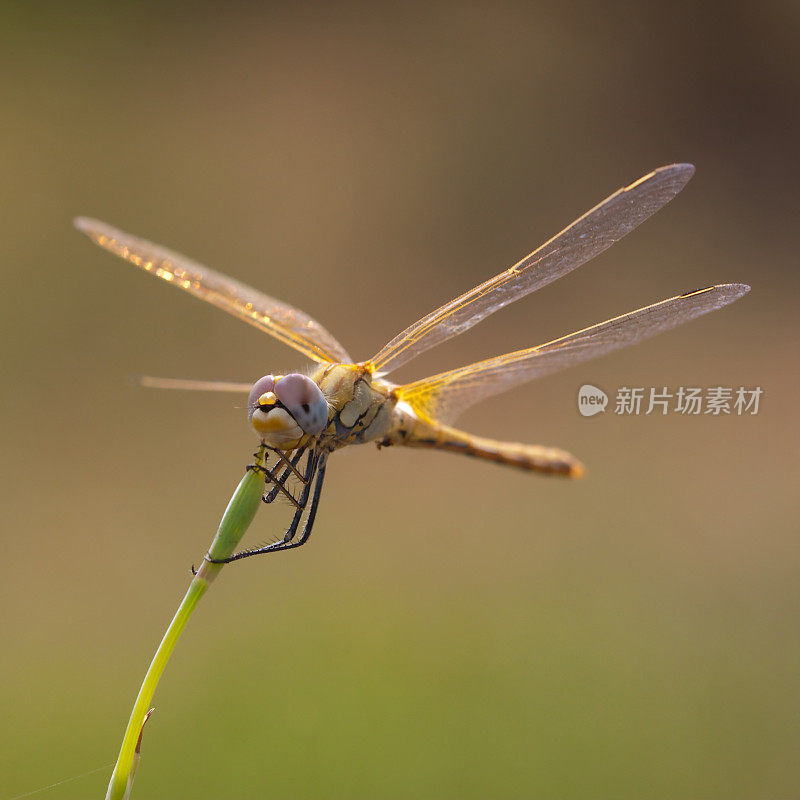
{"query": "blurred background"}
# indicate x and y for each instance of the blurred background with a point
(454, 629)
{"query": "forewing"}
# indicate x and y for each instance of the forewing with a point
(585, 238)
(288, 324)
(443, 397)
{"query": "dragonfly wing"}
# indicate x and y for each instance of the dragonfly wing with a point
(191, 385)
(443, 397)
(581, 241)
(288, 324)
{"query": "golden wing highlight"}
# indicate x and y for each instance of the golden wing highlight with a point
(587, 237)
(286, 323)
(443, 397)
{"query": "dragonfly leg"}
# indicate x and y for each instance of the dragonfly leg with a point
(278, 481)
(311, 467)
(315, 468)
(291, 467)
(319, 471)
(312, 511)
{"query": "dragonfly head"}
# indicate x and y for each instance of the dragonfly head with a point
(285, 408)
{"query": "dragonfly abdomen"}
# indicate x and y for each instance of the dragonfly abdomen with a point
(548, 460)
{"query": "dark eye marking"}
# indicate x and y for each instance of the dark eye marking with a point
(306, 407)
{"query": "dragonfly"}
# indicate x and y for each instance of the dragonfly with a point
(301, 419)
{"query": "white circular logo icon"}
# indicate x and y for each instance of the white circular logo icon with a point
(591, 400)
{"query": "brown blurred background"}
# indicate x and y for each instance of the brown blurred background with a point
(454, 630)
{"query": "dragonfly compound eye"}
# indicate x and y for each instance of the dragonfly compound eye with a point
(272, 422)
(261, 387)
(304, 400)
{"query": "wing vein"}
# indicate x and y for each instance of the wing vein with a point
(286, 323)
(585, 238)
(444, 396)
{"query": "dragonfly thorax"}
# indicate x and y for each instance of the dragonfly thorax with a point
(285, 409)
(361, 406)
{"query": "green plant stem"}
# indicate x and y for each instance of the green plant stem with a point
(237, 517)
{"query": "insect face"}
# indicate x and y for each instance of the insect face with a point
(285, 408)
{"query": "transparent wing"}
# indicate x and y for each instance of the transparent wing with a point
(443, 397)
(190, 385)
(585, 238)
(288, 324)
